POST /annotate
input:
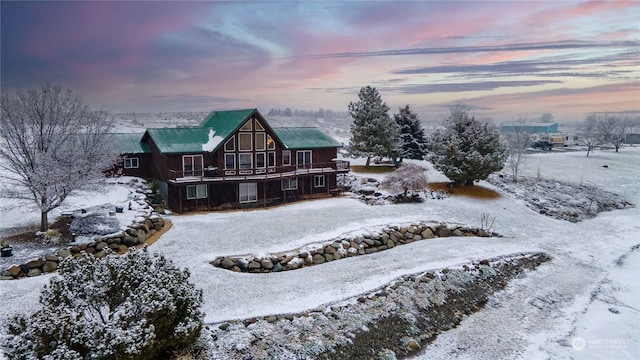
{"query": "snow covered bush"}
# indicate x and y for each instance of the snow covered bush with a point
(407, 177)
(466, 149)
(134, 306)
(94, 224)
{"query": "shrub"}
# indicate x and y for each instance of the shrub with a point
(134, 306)
(407, 177)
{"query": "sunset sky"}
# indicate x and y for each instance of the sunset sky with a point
(502, 58)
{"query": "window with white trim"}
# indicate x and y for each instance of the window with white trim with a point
(271, 159)
(245, 142)
(196, 192)
(230, 161)
(259, 126)
(245, 161)
(271, 145)
(286, 157)
(247, 126)
(230, 145)
(131, 163)
(318, 181)
(290, 184)
(192, 165)
(260, 141)
(261, 160)
(248, 192)
(304, 159)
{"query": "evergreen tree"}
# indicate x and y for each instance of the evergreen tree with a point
(414, 142)
(373, 132)
(466, 149)
(135, 306)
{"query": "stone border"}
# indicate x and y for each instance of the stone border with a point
(145, 225)
(393, 321)
(343, 247)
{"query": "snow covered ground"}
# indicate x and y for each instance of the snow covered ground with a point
(583, 304)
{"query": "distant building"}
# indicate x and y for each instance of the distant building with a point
(632, 139)
(533, 128)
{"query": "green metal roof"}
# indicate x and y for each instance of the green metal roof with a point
(130, 143)
(180, 140)
(225, 122)
(304, 138)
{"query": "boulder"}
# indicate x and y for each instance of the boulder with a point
(63, 253)
(50, 266)
(34, 272)
(227, 263)
(266, 264)
(14, 270)
(100, 246)
(36, 263)
(318, 259)
(142, 236)
(427, 234)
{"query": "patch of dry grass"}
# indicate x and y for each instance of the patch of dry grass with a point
(474, 191)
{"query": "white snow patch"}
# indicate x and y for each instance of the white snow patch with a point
(214, 141)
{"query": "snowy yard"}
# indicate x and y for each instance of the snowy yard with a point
(584, 303)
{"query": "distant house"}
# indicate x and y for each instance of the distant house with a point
(233, 159)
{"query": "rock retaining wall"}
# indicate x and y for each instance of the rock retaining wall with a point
(147, 222)
(343, 247)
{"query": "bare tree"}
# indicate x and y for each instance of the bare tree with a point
(52, 145)
(407, 177)
(613, 128)
(589, 134)
(517, 142)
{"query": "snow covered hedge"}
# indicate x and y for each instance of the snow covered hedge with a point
(135, 306)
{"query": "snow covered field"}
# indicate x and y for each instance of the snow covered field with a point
(585, 303)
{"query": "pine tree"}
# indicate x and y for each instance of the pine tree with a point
(414, 142)
(466, 149)
(135, 306)
(373, 132)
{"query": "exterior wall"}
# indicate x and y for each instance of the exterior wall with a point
(145, 164)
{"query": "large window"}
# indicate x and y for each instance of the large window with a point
(260, 160)
(271, 159)
(286, 157)
(192, 165)
(290, 184)
(131, 163)
(304, 159)
(248, 192)
(245, 161)
(244, 142)
(318, 181)
(271, 145)
(196, 192)
(260, 142)
(230, 161)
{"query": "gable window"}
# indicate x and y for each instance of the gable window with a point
(290, 184)
(271, 159)
(318, 181)
(131, 163)
(271, 145)
(245, 161)
(247, 126)
(230, 145)
(196, 192)
(260, 142)
(286, 157)
(192, 165)
(248, 192)
(259, 126)
(304, 159)
(260, 160)
(244, 142)
(229, 161)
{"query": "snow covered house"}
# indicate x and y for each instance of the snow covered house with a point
(233, 159)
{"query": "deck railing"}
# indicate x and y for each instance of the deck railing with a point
(279, 172)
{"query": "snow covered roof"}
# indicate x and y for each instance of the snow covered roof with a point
(304, 138)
